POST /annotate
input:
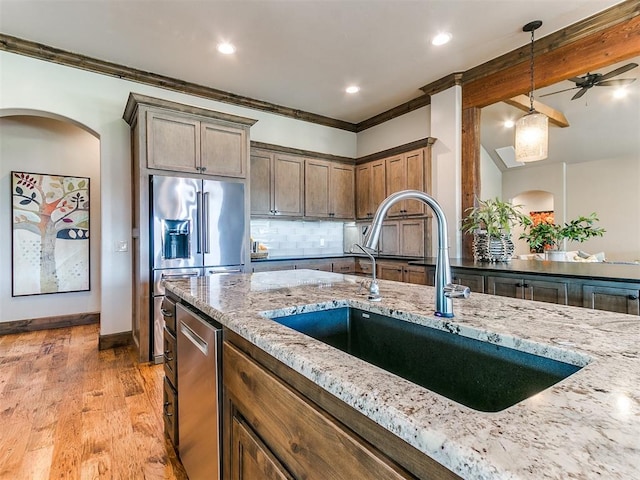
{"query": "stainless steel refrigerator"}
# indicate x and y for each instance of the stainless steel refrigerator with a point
(198, 228)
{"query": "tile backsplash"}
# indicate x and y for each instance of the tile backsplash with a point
(294, 238)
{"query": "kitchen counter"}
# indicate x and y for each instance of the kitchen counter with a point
(587, 270)
(587, 426)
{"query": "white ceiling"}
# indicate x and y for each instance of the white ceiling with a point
(296, 53)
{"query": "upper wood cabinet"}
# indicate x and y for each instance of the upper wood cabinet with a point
(370, 188)
(380, 178)
(277, 184)
(408, 171)
(403, 237)
(329, 189)
(185, 143)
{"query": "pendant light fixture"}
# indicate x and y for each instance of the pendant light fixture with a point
(532, 130)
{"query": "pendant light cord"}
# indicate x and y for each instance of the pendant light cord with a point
(532, 79)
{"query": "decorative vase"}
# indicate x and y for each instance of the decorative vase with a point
(555, 255)
(492, 249)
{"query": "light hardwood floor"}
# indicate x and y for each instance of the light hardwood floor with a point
(69, 411)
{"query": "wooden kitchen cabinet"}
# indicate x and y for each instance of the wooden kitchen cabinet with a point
(473, 281)
(404, 238)
(187, 143)
(621, 299)
(329, 189)
(363, 267)
(408, 171)
(529, 289)
(400, 271)
(277, 184)
(370, 188)
(346, 265)
(251, 459)
(283, 435)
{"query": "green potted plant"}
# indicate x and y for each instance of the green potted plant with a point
(545, 237)
(491, 222)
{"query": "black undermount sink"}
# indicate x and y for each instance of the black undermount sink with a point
(481, 375)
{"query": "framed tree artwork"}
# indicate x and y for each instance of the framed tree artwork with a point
(50, 234)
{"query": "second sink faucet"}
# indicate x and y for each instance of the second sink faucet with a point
(445, 289)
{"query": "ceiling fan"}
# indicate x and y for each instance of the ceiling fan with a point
(597, 80)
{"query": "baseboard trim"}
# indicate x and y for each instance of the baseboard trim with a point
(47, 323)
(114, 340)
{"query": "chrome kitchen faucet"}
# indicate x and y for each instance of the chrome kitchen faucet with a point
(445, 289)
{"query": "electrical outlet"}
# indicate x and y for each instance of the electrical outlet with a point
(322, 242)
(122, 246)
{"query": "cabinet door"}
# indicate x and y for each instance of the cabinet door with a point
(390, 271)
(341, 192)
(505, 287)
(363, 267)
(363, 191)
(378, 185)
(414, 166)
(343, 266)
(316, 188)
(474, 282)
(261, 183)
(414, 274)
(223, 150)
(250, 458)
(288, 185)
(412, 238)
(612, 299)
(395, 173)
(546, 291)
(170, 411)
(310, 443)
(322, 265)
(173, 142)
(390, 239)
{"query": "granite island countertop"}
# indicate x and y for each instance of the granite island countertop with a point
(587, 426)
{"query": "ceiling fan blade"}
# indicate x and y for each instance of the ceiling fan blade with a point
(580, 93)
(559, 91)
(617, 71)
(575, 79)
(618, 82)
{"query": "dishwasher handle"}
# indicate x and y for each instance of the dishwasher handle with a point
(194, 338)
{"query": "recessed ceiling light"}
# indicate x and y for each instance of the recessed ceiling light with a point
(509, 123)
(352, 89)
(441, 39)
(226, 48)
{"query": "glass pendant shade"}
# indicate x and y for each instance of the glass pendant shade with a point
(531, 143)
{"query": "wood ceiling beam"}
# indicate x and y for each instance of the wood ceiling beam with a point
(522, 102)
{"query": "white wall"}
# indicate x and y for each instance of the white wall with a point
(401, 130)
(97, 102)
(491, 177)
(43, 145)
(611, 188)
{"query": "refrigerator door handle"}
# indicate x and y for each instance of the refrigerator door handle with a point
(199, 222)
(205, 215)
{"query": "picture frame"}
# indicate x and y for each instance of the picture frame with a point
(50, 241)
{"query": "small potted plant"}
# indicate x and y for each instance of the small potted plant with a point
(548, 237)
(491, 222)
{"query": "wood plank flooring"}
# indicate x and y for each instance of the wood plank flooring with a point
(69, 411)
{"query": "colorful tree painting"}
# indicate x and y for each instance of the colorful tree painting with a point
(50, 233)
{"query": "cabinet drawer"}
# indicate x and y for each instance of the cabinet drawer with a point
(170, 358)
(170, 412)
(309, 443)
(168, 310)
(344, 266)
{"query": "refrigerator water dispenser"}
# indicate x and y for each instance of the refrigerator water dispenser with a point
(175, 238)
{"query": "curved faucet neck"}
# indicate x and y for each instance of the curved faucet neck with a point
(444, 304)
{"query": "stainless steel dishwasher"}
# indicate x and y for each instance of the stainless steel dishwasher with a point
(199, 344)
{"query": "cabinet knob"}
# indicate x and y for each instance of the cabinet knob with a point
(202, 169)
(633, 297)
